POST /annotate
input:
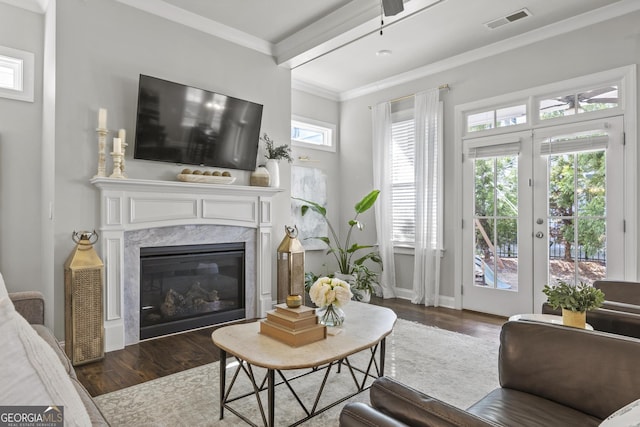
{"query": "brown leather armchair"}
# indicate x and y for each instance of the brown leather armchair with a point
(550, 375)
(620, 313)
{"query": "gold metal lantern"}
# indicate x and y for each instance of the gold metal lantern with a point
(83, 318)
(291, 269)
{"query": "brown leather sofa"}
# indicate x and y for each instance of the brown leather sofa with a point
(550, 375)
(620, 313)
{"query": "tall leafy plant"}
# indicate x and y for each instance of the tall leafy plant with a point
(344, 252)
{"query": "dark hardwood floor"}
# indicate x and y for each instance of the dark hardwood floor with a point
(156, 358)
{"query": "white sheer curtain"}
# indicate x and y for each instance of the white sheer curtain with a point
(382, 149)
(428, 169)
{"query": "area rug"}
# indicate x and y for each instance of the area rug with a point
(453, 367)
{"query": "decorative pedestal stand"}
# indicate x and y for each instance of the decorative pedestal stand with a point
(102, 138)
(117, 165)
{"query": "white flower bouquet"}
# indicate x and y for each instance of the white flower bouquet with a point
(330, 291)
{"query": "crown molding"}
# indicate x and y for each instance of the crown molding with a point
(209, 26)
(562, 27)
(316, 90)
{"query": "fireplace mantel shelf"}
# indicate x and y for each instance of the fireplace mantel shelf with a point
(134, 206)
(179, 186)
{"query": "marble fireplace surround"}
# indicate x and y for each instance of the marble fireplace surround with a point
(143, 213)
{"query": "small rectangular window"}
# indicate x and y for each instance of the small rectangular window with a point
(311, 133)
(403, 186)
(510, 116)
(579, 103)
(16, 74)
(559, 106)
(500, 117)
(598, 99)
(480, 121)
(10, 73)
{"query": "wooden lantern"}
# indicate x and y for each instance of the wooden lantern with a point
(83, 314)
(291, 269)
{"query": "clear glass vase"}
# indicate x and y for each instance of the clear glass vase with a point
(330, 315)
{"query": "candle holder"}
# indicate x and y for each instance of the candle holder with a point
(117, 165)
(124, 150)
(102, 140)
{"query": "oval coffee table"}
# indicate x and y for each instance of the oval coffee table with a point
(365, 328)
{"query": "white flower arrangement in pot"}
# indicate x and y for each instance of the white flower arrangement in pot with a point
(330, 294)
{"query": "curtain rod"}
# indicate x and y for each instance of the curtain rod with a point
(402, 98)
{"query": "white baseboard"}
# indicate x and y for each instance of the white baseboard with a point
(444, 301)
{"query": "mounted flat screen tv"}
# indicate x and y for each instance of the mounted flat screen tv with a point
(182, 124)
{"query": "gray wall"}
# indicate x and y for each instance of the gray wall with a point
(600, 47)
(20, 160)
(318, 108)
(101, 47)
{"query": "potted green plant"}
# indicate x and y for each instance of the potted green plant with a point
(574, 301)
(275, 153)
(364, 281)
(348, 255)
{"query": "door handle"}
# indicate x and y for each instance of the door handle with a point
(539, 234)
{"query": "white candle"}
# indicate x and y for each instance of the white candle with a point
(122, 135)
(102, 118)
(117, 146)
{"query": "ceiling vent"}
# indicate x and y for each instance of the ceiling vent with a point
(523, 13)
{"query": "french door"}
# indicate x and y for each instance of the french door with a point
(539, 207)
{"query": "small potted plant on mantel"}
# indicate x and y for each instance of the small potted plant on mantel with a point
(574, 301)
(275, 153)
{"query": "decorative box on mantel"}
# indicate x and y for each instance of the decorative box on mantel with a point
(133, 206)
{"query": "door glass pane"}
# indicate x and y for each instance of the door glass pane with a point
(484, 178)
(591, 180)
(483, 260)
(507, 186)
(591, 250)
(507, 249)
(577, 217)
(496, 222)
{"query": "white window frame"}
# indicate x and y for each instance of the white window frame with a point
(23, 63)
(328, 129)
(404, 115)
(625, 78)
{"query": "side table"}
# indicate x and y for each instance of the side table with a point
(547, 318)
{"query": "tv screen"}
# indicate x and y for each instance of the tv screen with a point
(182, 124)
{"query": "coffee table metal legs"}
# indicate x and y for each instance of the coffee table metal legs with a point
(271, 396)
(223, 380)
(374, 369)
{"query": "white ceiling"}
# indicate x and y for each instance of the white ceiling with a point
(331, 45)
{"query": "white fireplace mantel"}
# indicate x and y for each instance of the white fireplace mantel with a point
(134, 204)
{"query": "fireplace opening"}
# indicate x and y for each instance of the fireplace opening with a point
(190, 286)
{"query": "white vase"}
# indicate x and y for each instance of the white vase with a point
(274, 173)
